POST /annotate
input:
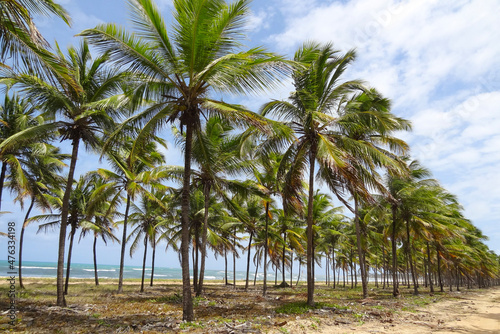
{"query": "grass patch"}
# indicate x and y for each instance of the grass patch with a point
(302, 307)
(191, 325)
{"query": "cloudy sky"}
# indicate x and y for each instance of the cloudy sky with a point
(437, 60)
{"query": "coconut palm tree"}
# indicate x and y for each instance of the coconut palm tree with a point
(84, 107)
(265, 175)
(181, 68)
(148, 221)
(254, 212)
(101, 210)
(130, 176)
(312, 112)
(16, 115)
(366, 118)
(216, 152)
(42, 174)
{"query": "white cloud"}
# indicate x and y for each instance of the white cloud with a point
(439, 61)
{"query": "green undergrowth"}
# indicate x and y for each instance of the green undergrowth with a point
(301, 307)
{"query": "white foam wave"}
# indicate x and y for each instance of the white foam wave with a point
(100, 270)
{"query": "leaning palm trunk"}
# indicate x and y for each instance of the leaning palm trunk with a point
(298, 277)
(255, 276)
(124, 241)
(144, 262)
(96, 277)
(361, 256)
(187, 302)
(248, 260)
(21, 239)
(153, 262)
(61, 301)
(70, 252)
(206, 190)
(2, 180)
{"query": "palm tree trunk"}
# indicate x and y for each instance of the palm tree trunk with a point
(395, 285)
(384, 268)
(333, 264)
(61, 301)
(70, 252)
(351, 260)
(144, 261)
(361, 256)
(187, 301)
(283, 262)
(153, 261)
(234, 259)
(291, 268)
(248, 260)
(429, 267)
(124, 241)
(225, 263)
(2, 180)
(264, 288)
(95, 260)
(298, 277)
(327, 271)
(21, 239)
(310, 234)
(410, 259)
(255, 276)
(206, 191)
(439, 270)
(195, 256)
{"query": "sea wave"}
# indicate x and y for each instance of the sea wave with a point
(39, 267)
(100, 270)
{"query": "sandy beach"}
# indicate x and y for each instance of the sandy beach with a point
(464, 312)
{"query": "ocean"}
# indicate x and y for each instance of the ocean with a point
(81, 270)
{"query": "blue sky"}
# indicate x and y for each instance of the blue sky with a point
(438, 61)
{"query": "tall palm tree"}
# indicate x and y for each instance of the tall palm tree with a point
(16, 115)
(130, 176)
(312, 112)
(181, 68)
(43, 179)
(147, 219)
(265, 175)
(84, 106)
(216, 152)
(255, 212)
(366, 118)
(101, 210)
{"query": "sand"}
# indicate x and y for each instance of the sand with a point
(475, 313)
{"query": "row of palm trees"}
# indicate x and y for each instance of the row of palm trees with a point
(245, 174)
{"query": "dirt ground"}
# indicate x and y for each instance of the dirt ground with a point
(464, 312)
(232, 310)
